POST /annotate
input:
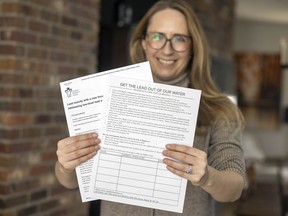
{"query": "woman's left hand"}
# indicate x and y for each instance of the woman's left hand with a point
(187, 162)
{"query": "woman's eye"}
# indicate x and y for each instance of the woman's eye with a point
(156, 37)
(179, 39)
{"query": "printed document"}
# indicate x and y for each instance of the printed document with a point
(83, 103)
(139, 119)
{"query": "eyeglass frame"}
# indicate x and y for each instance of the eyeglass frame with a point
(166, 39)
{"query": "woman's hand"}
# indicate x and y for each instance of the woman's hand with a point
(187, 162)
(75, 150)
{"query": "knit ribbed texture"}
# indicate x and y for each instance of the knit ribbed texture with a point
(182, 81)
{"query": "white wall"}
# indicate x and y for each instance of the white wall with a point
(253, 36)
(258, 36)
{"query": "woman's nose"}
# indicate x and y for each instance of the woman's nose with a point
(168, 49)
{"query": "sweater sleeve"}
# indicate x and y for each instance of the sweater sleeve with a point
(225, 148)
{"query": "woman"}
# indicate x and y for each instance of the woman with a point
(170, 37)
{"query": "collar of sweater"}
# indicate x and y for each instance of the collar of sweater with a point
(182, 81)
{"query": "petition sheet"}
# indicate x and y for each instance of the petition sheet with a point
(140, 118)
(83, 103)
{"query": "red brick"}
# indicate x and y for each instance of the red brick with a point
(60, 118)
(39, 170)
(13, 92)
(10, 7)
(91, 39)
(37, 53)
(49, 16)
(32, 106)
(4, 175)
(61, 212)
(12, 174)
(42, 119)
(9, 78)
(49, 155)
(18, 36)
(35, 80)
(26, 93)
(87, 3)
(10, 213)
(49, 205)
(8, 161)
(57, 31)
(11, 50)
(59, 189)
(3, 147)
(50, 131)
(84, 13)
(76, 35)
(11, 106)
(81, 71)
(25, 185)
(40, 67)
(5, 189)
(8, 134)
(38, 26)
(32, 132)
(16, 119)
(14, 201)
(38, 195)
(10, 64)
(66, 69)
(88, 60)
(30, 210)
(12, 22)
(8, 92)
(17, 147)
(19, 8)
(48, 42)
(68, 46)
(69, 21)
(43, 3)
(54, 93)
(86, 26)
(57, 56)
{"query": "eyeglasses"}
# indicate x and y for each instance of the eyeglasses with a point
(179, 42)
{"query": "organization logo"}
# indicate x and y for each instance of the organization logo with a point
(68, 92)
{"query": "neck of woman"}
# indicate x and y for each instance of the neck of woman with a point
(182, 81)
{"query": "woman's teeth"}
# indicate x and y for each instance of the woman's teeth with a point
(168, 62)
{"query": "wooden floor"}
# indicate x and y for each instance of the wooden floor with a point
(266, 196)
(265, 200)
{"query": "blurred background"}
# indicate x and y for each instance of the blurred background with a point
(45, 42)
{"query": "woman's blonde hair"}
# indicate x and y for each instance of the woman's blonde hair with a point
(213, 104)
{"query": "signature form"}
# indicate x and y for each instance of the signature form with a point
(139, 119)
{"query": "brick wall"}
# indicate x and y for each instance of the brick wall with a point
(217, 18)
(42, 42)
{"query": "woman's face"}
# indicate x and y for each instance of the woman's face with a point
(166, 63)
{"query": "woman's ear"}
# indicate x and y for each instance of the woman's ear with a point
(143, 42)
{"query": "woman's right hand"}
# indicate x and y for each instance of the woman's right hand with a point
(72, 151)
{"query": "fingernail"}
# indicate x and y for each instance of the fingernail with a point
(164, 160)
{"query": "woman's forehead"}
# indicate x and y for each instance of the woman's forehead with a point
(168, 21)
